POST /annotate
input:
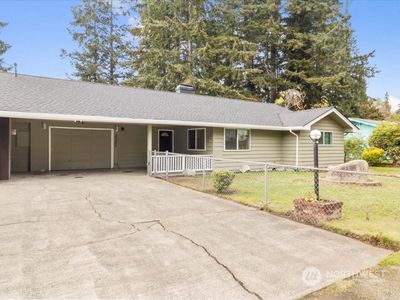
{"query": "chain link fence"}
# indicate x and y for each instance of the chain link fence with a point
(358, 204)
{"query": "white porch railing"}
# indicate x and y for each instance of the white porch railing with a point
(175, 163)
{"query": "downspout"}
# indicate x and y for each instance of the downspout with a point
(297, 146)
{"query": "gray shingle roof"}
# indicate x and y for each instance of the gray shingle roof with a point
(30, 94)
(302, 118)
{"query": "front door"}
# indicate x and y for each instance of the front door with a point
(166, 140)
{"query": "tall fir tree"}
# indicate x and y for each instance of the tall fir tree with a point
(251, 49)
(262, 26)
(178, 42)
(227, 57)
(321, 57)
(3, 49)
(101, 40)
(167, 39)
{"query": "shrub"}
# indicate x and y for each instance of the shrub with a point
(222, 180)
(387, 137)
(373, 156)
(353, 147)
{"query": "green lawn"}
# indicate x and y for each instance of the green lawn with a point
(371, 211)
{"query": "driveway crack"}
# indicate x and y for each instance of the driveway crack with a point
(100, 216)
(235, 278)
(158, 222)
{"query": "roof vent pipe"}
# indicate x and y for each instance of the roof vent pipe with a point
(184, 89)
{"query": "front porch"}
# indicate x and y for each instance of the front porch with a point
(165, 163)
(178, 149)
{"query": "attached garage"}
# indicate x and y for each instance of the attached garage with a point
(77, 148)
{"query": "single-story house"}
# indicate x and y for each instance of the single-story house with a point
(51, 124)
(365, 127)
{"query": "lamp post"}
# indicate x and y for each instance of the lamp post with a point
(315, 135)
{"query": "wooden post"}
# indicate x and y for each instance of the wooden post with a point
(5, 148)
(149, 148)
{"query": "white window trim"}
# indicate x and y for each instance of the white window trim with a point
(323, 138)
(173, 138)
(83, 128)
(237, 141)
(205, 139)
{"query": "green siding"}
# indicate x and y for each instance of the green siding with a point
(328, 154)
(265, 146)
(288, 148)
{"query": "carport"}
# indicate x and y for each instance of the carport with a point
(39, 145)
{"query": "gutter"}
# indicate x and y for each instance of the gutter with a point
(297, 146)
(101, 119)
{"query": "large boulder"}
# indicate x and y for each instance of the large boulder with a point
(336, 174)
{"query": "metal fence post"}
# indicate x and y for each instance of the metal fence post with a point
(265, 184)
(316, 171)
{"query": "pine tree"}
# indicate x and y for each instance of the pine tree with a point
(3, 49)
(101, 40)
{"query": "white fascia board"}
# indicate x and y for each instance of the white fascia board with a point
(335, 111)
(100, 119)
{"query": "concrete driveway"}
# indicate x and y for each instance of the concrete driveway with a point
(125, 235)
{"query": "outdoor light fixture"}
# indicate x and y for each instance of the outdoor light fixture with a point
(315, 135)
(44, 125)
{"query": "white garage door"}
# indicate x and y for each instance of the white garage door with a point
(80, 148)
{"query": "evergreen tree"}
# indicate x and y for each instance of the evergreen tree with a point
(168, 36)
(227, 58)
(101, 40)
(321, 57)
(178, 41)
(251, 49)
(3, 49)
(262, 25)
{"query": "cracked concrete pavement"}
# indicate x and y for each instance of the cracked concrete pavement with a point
(126, 235)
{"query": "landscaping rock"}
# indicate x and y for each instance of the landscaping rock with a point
(189, 172)
(335, 175)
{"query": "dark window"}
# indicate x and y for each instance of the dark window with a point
(326, 138)
(237, 139)
(192, 139)
(230, 139)
(196, 139)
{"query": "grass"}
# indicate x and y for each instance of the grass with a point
(379, 282)
(392, 260)
(369, 212)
